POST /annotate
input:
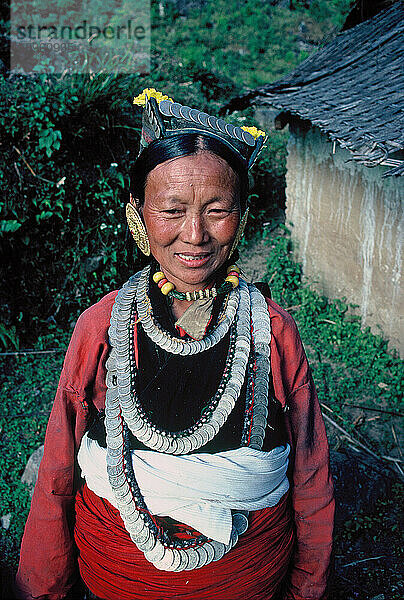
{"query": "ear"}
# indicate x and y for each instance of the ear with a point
(134, 201)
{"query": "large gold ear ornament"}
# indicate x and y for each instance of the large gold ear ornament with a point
(240, 231)
(137, 229)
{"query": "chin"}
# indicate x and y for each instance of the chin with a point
(200, 278)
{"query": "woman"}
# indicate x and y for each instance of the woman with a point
(207, 473)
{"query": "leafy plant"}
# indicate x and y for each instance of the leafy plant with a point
(28, 384)
(8, 335)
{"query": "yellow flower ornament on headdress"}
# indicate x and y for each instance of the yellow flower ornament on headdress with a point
(140, 100)
(256, 133)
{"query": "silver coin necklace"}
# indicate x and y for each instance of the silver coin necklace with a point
(248, 358)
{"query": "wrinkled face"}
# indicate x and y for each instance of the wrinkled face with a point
(191, 213)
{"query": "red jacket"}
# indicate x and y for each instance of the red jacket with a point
(48, 566)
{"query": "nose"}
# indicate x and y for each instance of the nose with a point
(195, 230)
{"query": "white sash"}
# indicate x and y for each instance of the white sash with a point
(197, 489)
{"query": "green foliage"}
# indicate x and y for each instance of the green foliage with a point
(28, 384)
(379, 535)
(61, 216)
(250, 41)
(9, 226)
(377, 522)
(8, 335)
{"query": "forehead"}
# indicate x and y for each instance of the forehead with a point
(196, 172)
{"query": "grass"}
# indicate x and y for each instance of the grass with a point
(28, 385)
(369, 553)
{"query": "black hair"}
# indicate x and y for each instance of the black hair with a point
(185, 144)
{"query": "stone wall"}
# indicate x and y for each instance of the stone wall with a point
(348, 227)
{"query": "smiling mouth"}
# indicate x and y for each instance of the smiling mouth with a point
(194, 259)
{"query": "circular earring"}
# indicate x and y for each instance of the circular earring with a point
(137, 229)
(240, 231)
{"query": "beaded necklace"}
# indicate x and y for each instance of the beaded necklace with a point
(168, 289)
(161, 337)
(123, 412)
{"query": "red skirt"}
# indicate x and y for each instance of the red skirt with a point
(113, 568)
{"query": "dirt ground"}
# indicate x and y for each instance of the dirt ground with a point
(253, 260)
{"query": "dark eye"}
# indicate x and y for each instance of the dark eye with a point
(173, 211)
(219, 211)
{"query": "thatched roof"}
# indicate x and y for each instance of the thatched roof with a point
(352, 89)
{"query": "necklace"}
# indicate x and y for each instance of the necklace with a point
(161, 337)
(168, 289)
(219, 407)
(164, 552)
(258, 386)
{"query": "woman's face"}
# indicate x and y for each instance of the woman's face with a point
(191, 213)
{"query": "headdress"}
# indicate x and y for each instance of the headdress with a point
(162, 118)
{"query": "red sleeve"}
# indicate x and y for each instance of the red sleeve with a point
(47, 566)
(311, 482)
